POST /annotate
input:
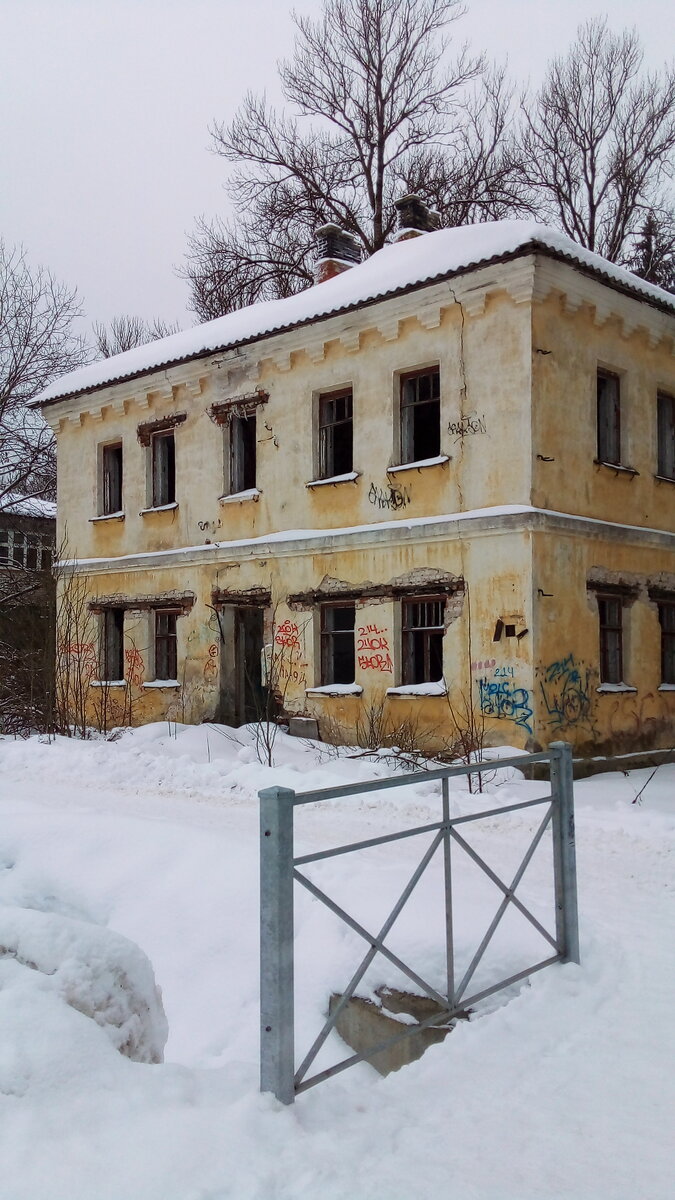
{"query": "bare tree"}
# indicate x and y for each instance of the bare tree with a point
(598, 140)
(125, 332)
(37, 344)
(653, 256)
(377, 110)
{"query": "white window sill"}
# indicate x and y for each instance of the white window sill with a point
(618, 467)
(666, 687)
(159, 508)
(162, 683)
(240, 497)
(335, 689)
(420, 689)
(349, 477)
(665, 478)
(108, 683)
(438, 461)
(116, 516)
(608, 688)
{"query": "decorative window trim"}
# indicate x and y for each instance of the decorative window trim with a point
(221, 412)
(180, 603)
(147, 429)
(253, 598)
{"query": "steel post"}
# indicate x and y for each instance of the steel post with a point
(277, 1062)
(564, 851)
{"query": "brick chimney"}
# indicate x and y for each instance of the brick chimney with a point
(336, 251)
(414, 218)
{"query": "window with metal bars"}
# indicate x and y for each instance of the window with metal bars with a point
(163, 468)
(111, 489)
(166, 645)
(336, 456)
(667, 619)
(420, 415)
(609, 418)
(422, 639)
(665, 436)
(337, 643)
(113, 644)
(242, 434)
(610, 613)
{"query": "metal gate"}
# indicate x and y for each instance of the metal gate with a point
(279, 869)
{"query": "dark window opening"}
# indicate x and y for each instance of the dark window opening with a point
(423, 629)
(163, 469)
(667, 619)
(112, 479)
(420, 415)
(337, 643)
(336, 438)
(666, 436)
(242, 453)
(166, 647)
(610, 611)
(113, 644)
(609, 418)
(29, 551)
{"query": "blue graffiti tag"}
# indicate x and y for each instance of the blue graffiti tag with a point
(499, 698)
(565, 689)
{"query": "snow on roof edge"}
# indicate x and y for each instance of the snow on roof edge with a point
(394, 270)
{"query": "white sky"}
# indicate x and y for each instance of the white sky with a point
(106, 105)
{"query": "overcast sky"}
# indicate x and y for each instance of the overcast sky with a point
(105, 111)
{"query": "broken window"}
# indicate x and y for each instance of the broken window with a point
(610, 612)
(423, 629)
(163, 468)
(420, 415)
(242, 452)
(335, 434)
(337, 643)
(111, 489)
(166, 645)
(667, 619)
(666, 436)
(609, 418)
(113, 644)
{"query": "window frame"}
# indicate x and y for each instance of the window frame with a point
(18, 548)
(327, 424)
(667, 623)
(165, 642)
(241, 454)
(106, 506)
(412, 633)
(608, 417)
(410, 451)
(163, 473)
(112, 645)
(665, 435)
(328, 645)
(606, 628)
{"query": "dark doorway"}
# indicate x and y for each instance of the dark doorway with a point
(242, 695)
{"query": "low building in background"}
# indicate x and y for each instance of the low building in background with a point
(436, 491)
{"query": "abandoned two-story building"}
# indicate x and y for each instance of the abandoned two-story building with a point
(439, 483)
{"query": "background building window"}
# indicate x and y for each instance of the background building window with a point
(113, 644)
(336, 456)
(163, 469)
(112, 479)
(420, 415)
(610, 611)
(423, 629)
(242, 453)
(609, 418)
(31, 551)
(337, 643)
(666, 436)
(667, 619)
(166, 646)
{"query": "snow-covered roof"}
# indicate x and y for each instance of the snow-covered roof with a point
(27, 506)
(396, 268)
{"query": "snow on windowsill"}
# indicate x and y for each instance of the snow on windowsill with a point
(665, 478)
(162, 683)
(438, 461)
(116, 516)
(108, 683)
(240, 497)
(619, 467)
(159, 508)
(335, 689)
(420, 689)
(666, 687)
(349, 477)
(615, 687)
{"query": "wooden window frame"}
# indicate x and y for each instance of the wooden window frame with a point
(608, 417)
(163, 468)
(610, 629)
(410, 407)
(166, 643)
(112, 466)
(330, 425)
(665, 436)
(417, 662)
(328, 642)
(667, 623)
(242, 451)
(112, 634)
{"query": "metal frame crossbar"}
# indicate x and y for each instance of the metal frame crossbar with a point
(279, 869)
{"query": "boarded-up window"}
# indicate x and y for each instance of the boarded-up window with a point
(667, 619)
(666, 436)
(335, 434)
(112, 479)
(337, 643)
(166, 649)
(243, 452)
(422, 630)
(420, 415)
(113, 644)
(610, 612)
(609, 418)
(163, 469)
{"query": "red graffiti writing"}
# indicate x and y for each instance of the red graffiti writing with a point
(287, 635)
(484, 664)
(84, 652)
(375, 662)
(213, 650)
(210, 670)
(375, 641)
(135, 668)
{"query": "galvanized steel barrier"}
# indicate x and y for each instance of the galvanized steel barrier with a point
(279, 869)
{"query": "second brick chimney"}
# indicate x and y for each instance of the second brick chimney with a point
(414, 218)
(336, 251)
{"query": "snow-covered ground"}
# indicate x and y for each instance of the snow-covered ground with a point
(559, 1089)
